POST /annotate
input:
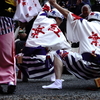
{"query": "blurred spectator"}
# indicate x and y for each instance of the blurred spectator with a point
(76, 5)
(86, 9)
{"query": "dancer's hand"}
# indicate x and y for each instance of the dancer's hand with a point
(52, 2)
(65, 12)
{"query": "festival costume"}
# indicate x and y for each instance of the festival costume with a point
(44, 36)
(25, 12)
(88, 33)
(86, 63)
(7, 63)
(7, 54)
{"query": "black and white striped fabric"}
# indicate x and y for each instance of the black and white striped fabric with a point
(78, 67)
(6, 25)
(36, 64)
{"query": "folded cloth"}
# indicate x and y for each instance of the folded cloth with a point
(26, 10)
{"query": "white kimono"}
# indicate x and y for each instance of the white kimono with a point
(44, 34)
(87, 33)
(86, 63)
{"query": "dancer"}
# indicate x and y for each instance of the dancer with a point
(44, 37)
(7, 53)
(86, 63)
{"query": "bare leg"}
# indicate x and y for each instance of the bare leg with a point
(58, 67)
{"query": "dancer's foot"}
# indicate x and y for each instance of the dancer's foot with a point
(24, 79)
(56, 85)
(11, 88)
(53, 78)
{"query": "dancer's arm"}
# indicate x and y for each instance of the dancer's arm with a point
(62, 10)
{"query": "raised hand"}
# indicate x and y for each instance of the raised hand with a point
(52, 2)
(65, 12)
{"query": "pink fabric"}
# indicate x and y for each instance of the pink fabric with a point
(7, 62)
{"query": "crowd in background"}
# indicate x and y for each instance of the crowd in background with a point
(72, 4)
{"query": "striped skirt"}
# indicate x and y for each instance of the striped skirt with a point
(36, 64)
(77, 66)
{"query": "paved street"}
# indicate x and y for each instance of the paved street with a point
(73, 89)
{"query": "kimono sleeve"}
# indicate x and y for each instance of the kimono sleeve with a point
(72, 27)
(26, 10)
